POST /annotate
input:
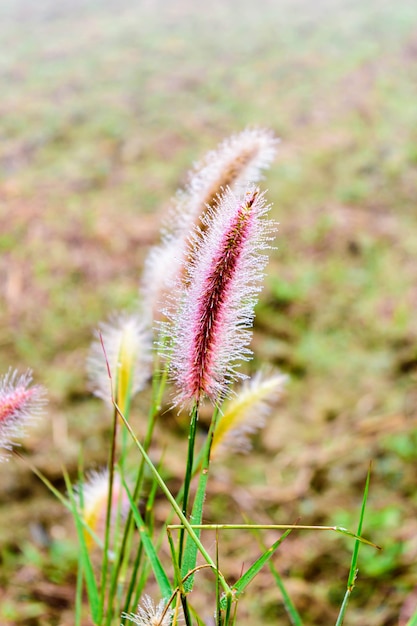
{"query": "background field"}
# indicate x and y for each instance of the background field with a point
(105, 105)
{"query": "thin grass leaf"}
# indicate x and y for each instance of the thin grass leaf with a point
(343, 607)
(200, 621)
(140, 584)
(123, 555)
(354, 562)
(240, 586)
(353, 566)
(64, 501)
(68, 504)
(158, 570)
(174, 559)
(338, 529)
(133, 585)
(81, 527)
(104, 565)
(78, 596)
(140, 568)
(218, 596)
(292, 612)
(84, 559)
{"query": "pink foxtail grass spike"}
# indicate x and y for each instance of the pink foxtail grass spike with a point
(237, 161)
(19, 403)
(210, 330)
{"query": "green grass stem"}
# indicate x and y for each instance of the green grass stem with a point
(338, 529)
(174, 504)
(190, 556)
(188, 474)
(353, 571)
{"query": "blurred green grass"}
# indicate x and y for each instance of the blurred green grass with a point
(105, 105)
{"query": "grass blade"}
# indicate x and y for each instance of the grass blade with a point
(85, 561)
(240, 586)
(288, 603)
(158, 570)
(354, 562)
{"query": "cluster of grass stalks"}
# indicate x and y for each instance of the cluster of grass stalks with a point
(201, 284)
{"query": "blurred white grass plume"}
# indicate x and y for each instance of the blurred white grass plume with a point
(247, 411)
(20, 403)
(91, 497)
(150, 614)
(127, 341)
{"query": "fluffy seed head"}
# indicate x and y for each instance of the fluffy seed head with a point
(19, 403)
(246, 413)
(162, 268)
(210, 329)
(237, 161)
(127, 341)
(92, 497)
(150, 614)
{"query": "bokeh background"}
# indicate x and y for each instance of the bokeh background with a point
(105, 105)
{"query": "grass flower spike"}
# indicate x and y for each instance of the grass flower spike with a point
(238, 161)
(150, 614)
(246, 413)
(211, 327)
(19, 403)
(92, 499)
(127, 342)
